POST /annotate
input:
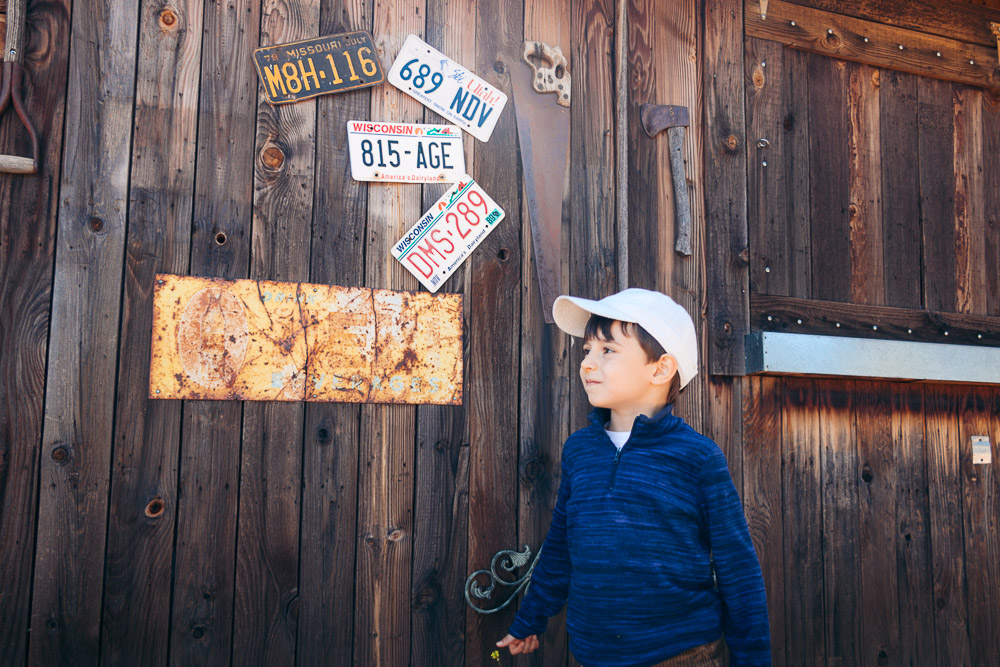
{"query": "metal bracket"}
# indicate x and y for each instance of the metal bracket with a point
(995, 27)
(509, 560)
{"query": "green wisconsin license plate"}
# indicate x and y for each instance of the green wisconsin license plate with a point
(300, 70)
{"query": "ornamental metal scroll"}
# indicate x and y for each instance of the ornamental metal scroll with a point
(509, 561)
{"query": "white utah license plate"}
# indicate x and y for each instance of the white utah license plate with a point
(448, 233)
(405, 152)
(447, 88)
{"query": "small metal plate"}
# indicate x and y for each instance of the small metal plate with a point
(405, 152)
(447, 234)
(981, 454)
(332, 64)
(447, 88)
(271, 341)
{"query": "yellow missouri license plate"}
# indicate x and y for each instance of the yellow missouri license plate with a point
(447, 234)
(405, 152)
(300, 70)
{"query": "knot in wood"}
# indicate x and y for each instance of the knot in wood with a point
(155, 508)
(272, 157)
(198, 632)
(395, 535)
(732, 143)
(498, 67)
(832, 40)
(867, 475)
(61, 453)
(758, 77)
(168, 19)
(96, 224)
(323, 435)
(533, 469)
(503, 254)
(728, 328)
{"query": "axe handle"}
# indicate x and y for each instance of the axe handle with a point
(682, 207)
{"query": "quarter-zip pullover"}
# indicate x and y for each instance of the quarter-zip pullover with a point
(630, 550)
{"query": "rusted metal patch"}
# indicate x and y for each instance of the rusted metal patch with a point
(272, 341)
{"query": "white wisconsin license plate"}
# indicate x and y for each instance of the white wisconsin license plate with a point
(405, 152)
(447, 88)
(448, 233)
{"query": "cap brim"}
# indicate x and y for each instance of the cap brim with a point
(571, 313)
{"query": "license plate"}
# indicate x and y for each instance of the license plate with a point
(447, 88)
(448, 233)
(404, 152)
(300, 70)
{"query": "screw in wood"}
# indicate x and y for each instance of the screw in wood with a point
(763, 63)
(769, 318)
(767, 269)
(874, 327)
(979, 335)
(798, 321)
(972, 62)
(838, 325)
(938, 54)
(866, 40)
(829, 31)
(945, 333)
(791, 23)
(909, 331)
(763, 163)
(900, 47)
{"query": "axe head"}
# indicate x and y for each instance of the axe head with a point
(658, 117)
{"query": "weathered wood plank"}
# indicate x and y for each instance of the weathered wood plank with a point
(386, 453)
(492, 407)
(841, 548)
(900, 189)
(142, 517)
(80, 387)
(726, 252)
(823, 317)
(267, 558)
(802, 504)
(991, 202)
(644, 173)
(202, 614)
(970, 228)
(839, 36)
(937, 192)
(762, 496)
(330, 454)
(441, 497)
(546, 370)
(980, 509)
(865, 185)
(28, 220)
(677, 81)
(946, 522)
(767, 168)
(797, 176)
(965, 21)
(829, 179)
(913, 555)
(877, 494)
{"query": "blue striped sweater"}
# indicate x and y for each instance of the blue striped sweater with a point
(629, 550)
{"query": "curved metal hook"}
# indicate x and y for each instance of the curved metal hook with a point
(508, 560)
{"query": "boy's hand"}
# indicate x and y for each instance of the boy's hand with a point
(526, 645)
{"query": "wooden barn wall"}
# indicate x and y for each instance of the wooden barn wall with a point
(142, 532)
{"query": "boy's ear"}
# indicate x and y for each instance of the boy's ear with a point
(666, 368)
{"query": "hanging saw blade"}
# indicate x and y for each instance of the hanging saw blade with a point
(542, 97)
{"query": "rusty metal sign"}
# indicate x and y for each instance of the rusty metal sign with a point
(273, 341)
(332, 64)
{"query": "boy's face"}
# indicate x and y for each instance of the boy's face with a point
(617, 374)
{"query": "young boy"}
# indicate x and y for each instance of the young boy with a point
(646, 508)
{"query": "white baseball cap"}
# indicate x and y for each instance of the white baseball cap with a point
(663, 318)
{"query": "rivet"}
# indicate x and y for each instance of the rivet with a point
(798, 321)
(792, 23)
(900, 47)
(866, 40)
(979, 335)
(874, 327)
(763, 63)
(945, 333)
(315, 289)
(972, 62)
(829, 31)
(763, 163)
(938, 54)
(838, 325)
(159, 282)
(909, 331)
(157, 391)
(769, 318)
(767, 269)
